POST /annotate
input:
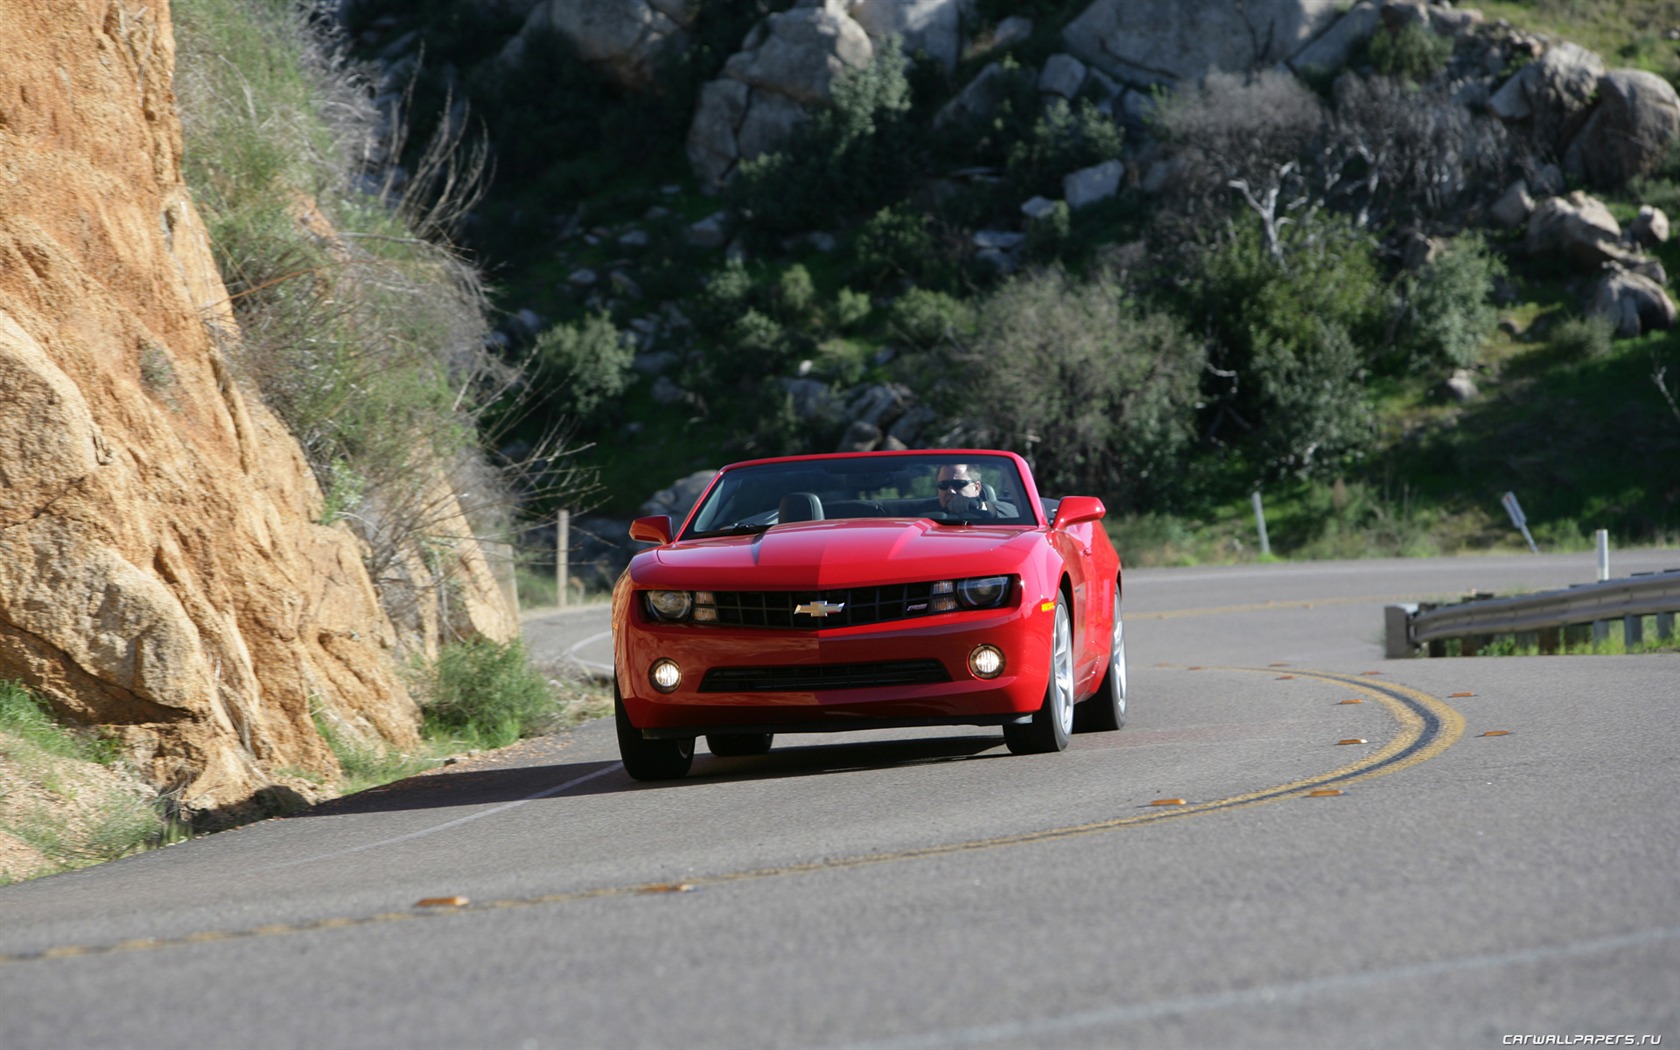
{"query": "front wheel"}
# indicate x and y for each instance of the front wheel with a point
(1106, 711)
(646, 759)
(1053, 723)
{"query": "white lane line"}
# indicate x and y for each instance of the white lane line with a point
(446, 825)
(1039, 1032)
(572, 655)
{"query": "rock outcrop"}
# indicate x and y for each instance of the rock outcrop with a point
(161, 571)
(623, 38)
(1146, 42)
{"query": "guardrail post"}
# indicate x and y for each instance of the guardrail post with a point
(1600, 631)
(1397, 620)
(1665, 625)
(1633, 630)
(1551, 640)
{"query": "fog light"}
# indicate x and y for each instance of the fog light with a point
(665, 675)
(986, 661)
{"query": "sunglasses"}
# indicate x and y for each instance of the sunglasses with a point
(956, 484)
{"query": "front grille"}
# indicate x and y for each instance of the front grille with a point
(860, 605)
(822, 676)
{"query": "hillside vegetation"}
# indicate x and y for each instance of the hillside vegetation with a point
(1254, 324)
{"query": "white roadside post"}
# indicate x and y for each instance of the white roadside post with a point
(1514, 509)
(1260, 523)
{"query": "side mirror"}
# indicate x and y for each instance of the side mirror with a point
(1075, 509)
(655, 528)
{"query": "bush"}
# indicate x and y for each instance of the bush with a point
(1583, 338)
(928, 319)
(1445, 309)
(899, 242)
(485, 694)
(1098, 391)
(584, 367)
(1063, 139)
(1416, 52)
(850, 157)
(1288, 330)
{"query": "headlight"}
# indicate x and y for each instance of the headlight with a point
(669, 605)
(982, 592)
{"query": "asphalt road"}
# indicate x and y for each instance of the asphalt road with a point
(926, 889)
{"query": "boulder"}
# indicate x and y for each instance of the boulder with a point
(1629, 132)
(1650, 228)
(1062, 75)
(1552, 94)
(623, 38)
(1090, 185)
(788, 63)
(1513, 207)
(1632, 303)
(1331, 50)
(1147, 42)
(1461, 385)
(679, 497)
(975, 101)
(1578, 227)
(933, 27)
(859, 437)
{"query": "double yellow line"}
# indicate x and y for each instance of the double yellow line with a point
(1427, 728)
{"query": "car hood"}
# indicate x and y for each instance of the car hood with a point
(836, 554)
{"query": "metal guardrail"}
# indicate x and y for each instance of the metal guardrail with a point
(1547, 614)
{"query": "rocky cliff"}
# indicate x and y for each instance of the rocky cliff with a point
(161, 570)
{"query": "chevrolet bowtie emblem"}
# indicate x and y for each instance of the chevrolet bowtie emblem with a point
(819, 608)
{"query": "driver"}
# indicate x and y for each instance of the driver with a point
(961, 491)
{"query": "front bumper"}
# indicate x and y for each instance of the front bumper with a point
(836, 660)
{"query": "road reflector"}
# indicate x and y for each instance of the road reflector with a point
(1168, 802)
(441, 902)
(1324, 792)
(1196, 668)
(1349, 700)
(1351, 740)
(1370, 672)
(1280, 664)
(1284, 678)
(1457, 695)
(1497, 732)
(666, 887)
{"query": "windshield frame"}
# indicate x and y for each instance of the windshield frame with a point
(896, 485)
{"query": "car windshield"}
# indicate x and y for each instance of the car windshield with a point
(949, 489)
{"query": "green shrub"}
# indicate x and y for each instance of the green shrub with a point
(898, 242)
(583, 366)
(1288, 331)
(485, 694)
(850, 157)
(1416, 52)
(26, 716)
(1099, 391)
(1446, 312)
(928, 319)
(1064, 138)
(1583, 338)
(851, 309)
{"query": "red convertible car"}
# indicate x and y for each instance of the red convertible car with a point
(870, 590)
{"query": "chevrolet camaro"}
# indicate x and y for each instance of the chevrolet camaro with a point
(862, 591)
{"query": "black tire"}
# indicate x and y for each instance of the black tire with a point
(1105, 711)
(1051, 725)
(650, 759)
(734, 745)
